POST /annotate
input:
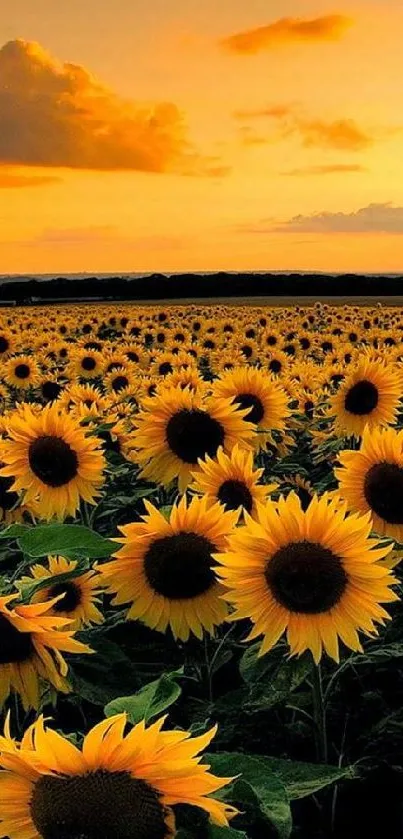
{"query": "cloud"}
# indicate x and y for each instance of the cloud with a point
(59, 115)
(275, 111)
(327, 169)
(287, 30)
(375, 218)
(341, 134)
(11, 180)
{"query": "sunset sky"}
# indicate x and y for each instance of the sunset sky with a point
(171, 135)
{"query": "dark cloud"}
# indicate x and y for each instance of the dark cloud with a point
(375, 218)
(59, 115)
(287, 30)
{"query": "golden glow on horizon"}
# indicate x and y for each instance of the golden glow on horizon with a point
(214, 137)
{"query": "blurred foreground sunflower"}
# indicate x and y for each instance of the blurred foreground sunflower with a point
(313, 574)
(114, 787)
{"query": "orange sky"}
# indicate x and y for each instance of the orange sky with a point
(140, 135)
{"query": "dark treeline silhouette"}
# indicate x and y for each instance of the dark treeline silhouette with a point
(199, 286)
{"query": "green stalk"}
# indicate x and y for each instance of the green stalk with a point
(319, 714)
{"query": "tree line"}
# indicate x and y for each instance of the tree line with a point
(200, 286)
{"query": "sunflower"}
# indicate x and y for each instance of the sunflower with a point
(51, 460)
(120, 380)
(86, 364)
(177, 427)
(313, 574)
(264, 400)
(114, 787)
(7, 343)
(80, 592)
(50, 388)
(371, 480)
(22, 372)
(231, 480)
(31, 645)
(369, 395)
(166, 571)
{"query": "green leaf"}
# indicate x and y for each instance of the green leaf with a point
(253, 668)
(150, 701)
(258, 785)
(302, 779)
(380, 655)
(290, 674)
(13, 531)
(69, 540)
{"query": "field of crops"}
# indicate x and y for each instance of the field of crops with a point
(201, 525)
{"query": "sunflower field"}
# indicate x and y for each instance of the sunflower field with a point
(201, 525)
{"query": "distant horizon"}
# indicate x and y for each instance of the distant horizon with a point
(200, 272)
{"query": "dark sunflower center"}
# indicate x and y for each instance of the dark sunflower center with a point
(305, 577)
(165, 368)
(15, 646)
(180, 567)
(71, 599)
(247, 351)
(119, 383)
(52, 460)
(192, 433)
(4, 344)
(88, 363)
(50, 390)
(97, 805)
(7, 499)
(250, 400)
(234, 494)
(22, 371)
(361, 398)
(383, 490)
(275, 365)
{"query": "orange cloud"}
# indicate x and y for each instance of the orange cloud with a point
(59, 115)
(287, 30)
(11, 180)
(329, 169)
(341, 134)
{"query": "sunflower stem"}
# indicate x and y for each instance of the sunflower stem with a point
(319, 714)
(86, 515)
